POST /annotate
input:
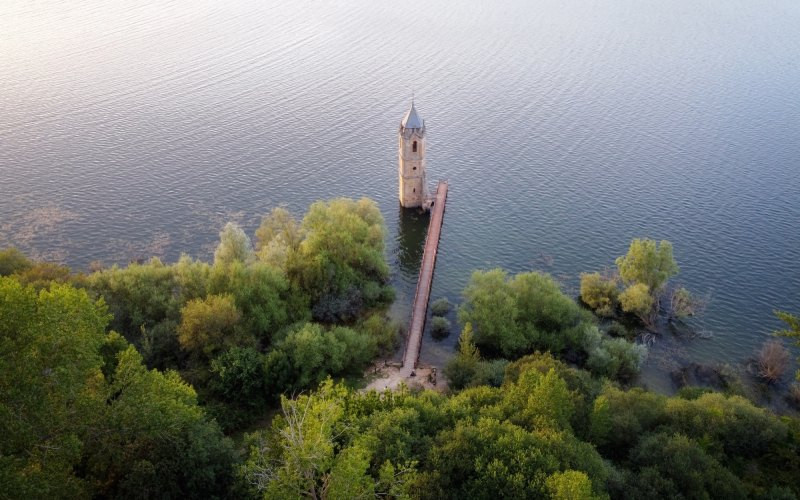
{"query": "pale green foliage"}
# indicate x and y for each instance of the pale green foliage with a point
(636, 299)
(647, 263)
(234, 246)
(515, 315)
(540, 400)
(341, 262)
(384, 332)
(208, 325)
(569, 485)
(278, 235)
(491, 306)
(192, 277)
(314, 353)
(263, 295)
(613, 357)
(301, 459)
(599, 293)
(466, 344)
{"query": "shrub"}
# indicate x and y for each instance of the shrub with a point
(383, 332)
(636, 299)
(617, 329)
(599, 293)
(491, 373)
(613, 357)
(772, 361)
(647, 263)
(513, 316)
(441, 307)
(12, 261)
(440, 327)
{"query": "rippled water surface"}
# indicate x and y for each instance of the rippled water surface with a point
(566, 128)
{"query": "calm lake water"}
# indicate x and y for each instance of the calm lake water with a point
(566, 128)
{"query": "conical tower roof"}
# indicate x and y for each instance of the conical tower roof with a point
(412, 119)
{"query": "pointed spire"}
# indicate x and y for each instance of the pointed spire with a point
(411, 118)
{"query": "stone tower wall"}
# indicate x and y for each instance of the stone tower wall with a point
(411, 166)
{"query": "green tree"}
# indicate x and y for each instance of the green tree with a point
(569, 485)
(153, 439)
(462, 368)
(303, 457)
(599, 293)
(341, 264)
(648, 263)
(50, 386)
(209, 325)
(238, 382)
(278, 235)
(314, 353)
(267, 301)
(13, 261)
(637, 299)
(490, 305)
(144, 305)
(234, 246)
(672, 466)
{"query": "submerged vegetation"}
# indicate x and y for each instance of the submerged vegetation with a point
(140, 381)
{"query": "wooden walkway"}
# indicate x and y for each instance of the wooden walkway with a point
(420, 307)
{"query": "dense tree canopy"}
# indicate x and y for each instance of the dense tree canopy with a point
(550, 431)
(70, 426)
(513, 316)
(202, 348)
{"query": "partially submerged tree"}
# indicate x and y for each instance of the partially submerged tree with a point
(600, 293)
(636, 299)
(772, 361)
(648, 263)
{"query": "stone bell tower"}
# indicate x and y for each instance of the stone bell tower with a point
(411, 160)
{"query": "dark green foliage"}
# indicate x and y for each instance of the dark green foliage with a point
(80, 415)
(440, 327)
(13, 261)
(238, 379)
(441, 307)
(155, 441)
(50, 381)
(672, 465)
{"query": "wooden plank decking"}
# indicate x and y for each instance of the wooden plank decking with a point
(419, 309)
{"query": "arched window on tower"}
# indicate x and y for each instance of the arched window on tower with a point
(414, 147)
